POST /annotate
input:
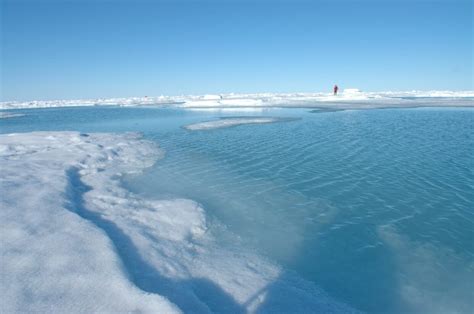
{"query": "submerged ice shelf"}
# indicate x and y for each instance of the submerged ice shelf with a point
(227, 122)
(131, 253)
(6, 115)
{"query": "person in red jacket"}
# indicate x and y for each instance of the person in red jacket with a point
(335, 90)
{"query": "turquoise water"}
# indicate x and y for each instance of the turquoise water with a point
(376, 207)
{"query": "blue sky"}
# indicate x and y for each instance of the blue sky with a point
(88, 49)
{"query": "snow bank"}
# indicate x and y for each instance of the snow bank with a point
(350, 98)
(74, 240)
(212, 97)
(52, 259)
(132, 101)
(352, 91)
(229, 122)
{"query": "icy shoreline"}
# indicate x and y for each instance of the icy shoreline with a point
(74, 240)
(348, 99)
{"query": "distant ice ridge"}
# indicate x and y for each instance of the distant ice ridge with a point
(74, 240)
(229, 122)
(131, 101)
(349, 98)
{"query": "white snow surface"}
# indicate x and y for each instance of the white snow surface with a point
(229, 122)
(52, 259)
(349, 98)
(73, 240)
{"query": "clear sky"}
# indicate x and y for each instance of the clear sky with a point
(88, 49)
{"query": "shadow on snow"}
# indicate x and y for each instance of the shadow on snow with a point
(195, 295)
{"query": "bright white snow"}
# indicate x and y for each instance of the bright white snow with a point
(350, 98)
(74, 240)
(52, 259)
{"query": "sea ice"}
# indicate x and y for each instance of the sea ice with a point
(431, 279)
(5, 115)
(229, 122)
(52, 259)
(74, 240)
(350, 98)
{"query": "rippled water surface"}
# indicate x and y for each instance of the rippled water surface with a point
(374, 206)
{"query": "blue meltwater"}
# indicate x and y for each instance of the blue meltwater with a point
(374, 207)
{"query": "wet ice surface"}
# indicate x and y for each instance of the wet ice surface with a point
(227, 122)
(6, 115)
(372, 207)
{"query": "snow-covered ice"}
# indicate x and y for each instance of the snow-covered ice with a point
(131, 101)
(52, 259)
(74, 240)
(349, 98)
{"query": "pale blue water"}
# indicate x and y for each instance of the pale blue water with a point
(376, 207)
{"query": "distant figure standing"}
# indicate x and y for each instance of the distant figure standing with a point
(335, 90)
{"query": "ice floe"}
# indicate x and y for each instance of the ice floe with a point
(74, 240)
(230, 122)
(6, 115)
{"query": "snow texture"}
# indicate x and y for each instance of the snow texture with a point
(74, 240)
